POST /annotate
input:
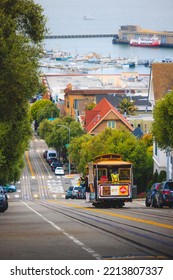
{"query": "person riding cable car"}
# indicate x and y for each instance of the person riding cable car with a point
(115, 177)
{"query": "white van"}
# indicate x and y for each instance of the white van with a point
(51, 154)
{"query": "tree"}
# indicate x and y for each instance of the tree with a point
(90, 106)
(45, 128)
(78, 151)
(162, 176)
(162, 127)
(39, 106)
(56, 133)
(22, 29)
(127, 106)
(50, 110)
(39, 112)
(85, 148)
(147, 139)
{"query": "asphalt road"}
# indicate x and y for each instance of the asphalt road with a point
(41, 224)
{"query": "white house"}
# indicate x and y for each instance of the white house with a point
(161, 82)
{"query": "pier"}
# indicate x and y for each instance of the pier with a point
(79, 36)
(127, 32)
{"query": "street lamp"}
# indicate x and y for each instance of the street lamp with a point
(69, 168)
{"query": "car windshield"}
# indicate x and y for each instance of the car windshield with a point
(169, 185)
(78, 188)
(58, 164)
(52, 155)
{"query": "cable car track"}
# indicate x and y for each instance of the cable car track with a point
(153, 214)
(91, 220)
(139, 236)
(25, 183)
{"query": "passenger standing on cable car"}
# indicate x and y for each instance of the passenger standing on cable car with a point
(115, 177)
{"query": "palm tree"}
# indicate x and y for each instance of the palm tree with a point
(127, 107)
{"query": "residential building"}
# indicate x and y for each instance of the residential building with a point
(80, 90)
(76, 101)
(103, 116)
(142, 121)
(161, 83)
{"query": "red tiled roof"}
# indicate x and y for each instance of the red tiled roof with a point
(90, 115)
(162, 74)
(101, 110)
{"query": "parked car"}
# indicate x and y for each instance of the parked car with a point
(59, 171)
(150, 195)
(55, 164)
(167, 60)
(10, 188)
(83, 193)
(51, 154)
(78, 192)
(164, 194)
(69, 192)
(3, 200)
(50, 160)
(45, 154)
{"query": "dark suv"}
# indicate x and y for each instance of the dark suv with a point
(164, 194)
(3, 200)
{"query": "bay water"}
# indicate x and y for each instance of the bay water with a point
(66, 17)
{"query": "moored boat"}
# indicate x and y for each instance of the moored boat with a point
(88, 17)
(145, 42)
(61, 56)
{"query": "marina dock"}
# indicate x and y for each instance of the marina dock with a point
(79, 36)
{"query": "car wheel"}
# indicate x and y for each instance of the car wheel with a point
(160, 205)
(153, 203)
(146, 203)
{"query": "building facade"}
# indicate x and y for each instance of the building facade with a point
(161, 83)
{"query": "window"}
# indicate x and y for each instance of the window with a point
(155, 150)
(124, 173)
(111, 124)
(169, 185)
(76, 104)
(101, 172)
